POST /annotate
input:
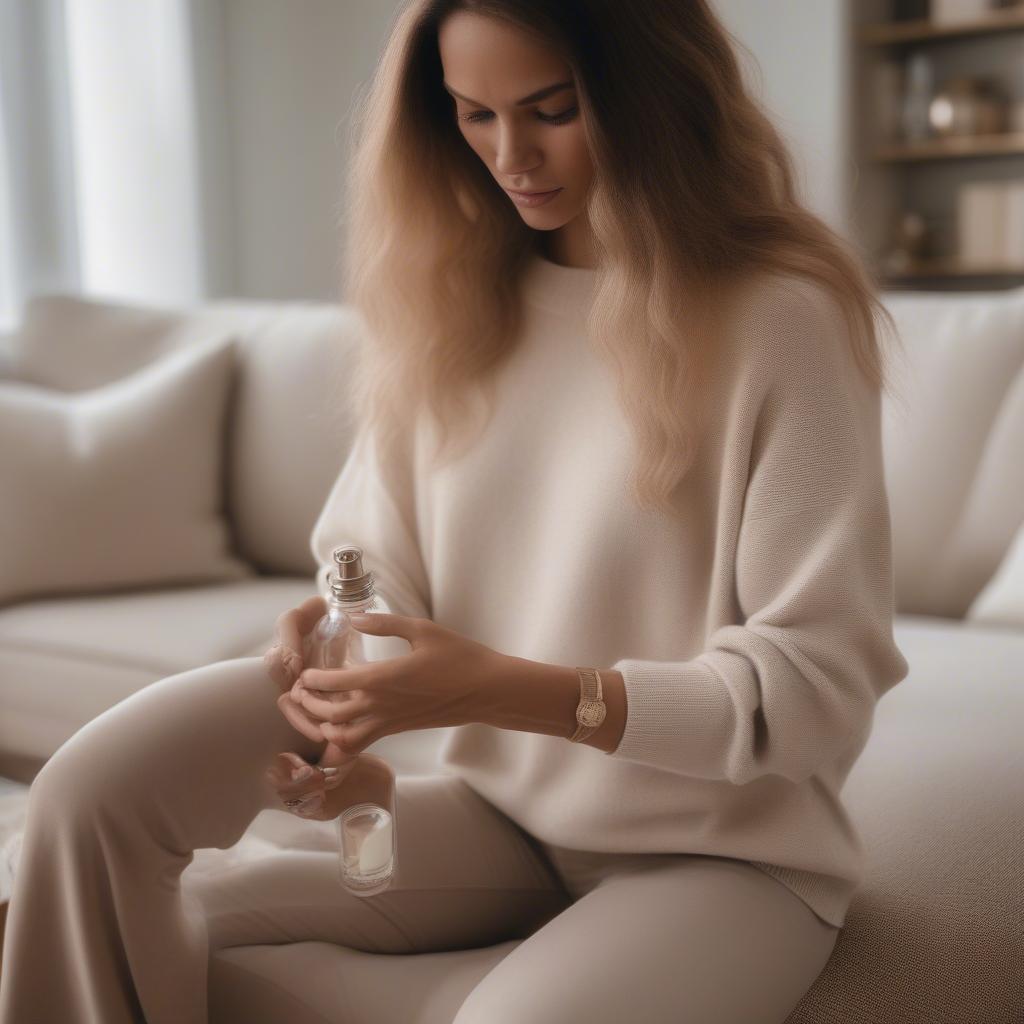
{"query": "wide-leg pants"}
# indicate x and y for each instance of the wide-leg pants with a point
(106, 926)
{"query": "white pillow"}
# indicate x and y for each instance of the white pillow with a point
(120, 486)
(1001, 601)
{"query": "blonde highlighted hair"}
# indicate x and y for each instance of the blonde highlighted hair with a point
(693, 190)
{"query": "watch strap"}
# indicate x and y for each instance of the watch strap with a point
(590, 692)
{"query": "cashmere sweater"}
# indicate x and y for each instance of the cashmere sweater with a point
(753, 632)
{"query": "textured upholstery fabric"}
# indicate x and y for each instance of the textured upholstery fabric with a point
(937, 933)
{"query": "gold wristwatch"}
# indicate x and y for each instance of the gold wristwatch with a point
(591, 709)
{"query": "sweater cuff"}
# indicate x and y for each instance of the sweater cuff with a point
(680, 716)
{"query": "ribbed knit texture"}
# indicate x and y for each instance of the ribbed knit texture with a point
(753, 631)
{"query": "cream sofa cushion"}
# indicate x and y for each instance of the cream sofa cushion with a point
(120, 486)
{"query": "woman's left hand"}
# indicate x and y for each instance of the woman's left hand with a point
(444, 681)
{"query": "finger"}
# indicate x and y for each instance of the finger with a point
(391, 624)
(308, 777)
(294, 624)
(281, 777)
(281, 667)
(353, 737)
(289, 759)
(332, 680)
(282, 766)
(299, 790)
(337, 711)
(298, 718)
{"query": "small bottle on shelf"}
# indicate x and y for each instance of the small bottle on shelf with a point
(367, 827)
(917, 98)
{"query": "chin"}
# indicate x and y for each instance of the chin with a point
(543, 220)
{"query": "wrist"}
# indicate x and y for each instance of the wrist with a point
(532, 696)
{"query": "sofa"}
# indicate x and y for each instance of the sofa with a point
(252, 395)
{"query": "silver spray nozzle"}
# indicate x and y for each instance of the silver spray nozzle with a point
(349, 582)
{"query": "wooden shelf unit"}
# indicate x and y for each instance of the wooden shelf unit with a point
(901, 33)
(896, 177)
(952, 146)
(944, 268)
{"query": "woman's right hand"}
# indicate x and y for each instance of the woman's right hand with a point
(284, 662)
(305, 796)
(284, 658)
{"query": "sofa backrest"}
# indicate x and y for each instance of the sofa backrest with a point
(953, 427)
(289, 428)
(953, 439)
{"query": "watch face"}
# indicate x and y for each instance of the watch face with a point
(590, 713)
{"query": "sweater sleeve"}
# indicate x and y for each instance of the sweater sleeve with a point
(371, 504)
(791, 685)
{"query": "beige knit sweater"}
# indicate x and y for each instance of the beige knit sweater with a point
(754, 633)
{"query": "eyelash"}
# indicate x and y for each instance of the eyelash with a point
(563, 118)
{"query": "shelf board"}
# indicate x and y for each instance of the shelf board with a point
(924, 30)
(950, 268)
(951, 146)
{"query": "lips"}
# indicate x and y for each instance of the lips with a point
(532, 192)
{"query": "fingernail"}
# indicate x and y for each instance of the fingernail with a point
(301, 773)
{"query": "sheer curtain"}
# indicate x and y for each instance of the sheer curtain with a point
(38, 229)
(101, 170)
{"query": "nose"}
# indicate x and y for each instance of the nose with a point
(516, 152)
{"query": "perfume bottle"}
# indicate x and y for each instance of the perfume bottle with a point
(367, 827)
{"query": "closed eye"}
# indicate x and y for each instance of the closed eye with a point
(561, 118)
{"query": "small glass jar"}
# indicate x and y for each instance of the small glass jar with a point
(367, 828)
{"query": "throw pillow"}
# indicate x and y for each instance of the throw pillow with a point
(120, 486)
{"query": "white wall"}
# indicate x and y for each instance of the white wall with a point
(279, 83)
(290, 71)
(798, 66)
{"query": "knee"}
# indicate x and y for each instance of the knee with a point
(489, 1003)
(77, 784)
(121, 758)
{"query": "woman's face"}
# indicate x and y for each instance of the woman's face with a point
(516, 107)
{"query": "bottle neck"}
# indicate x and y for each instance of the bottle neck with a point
(336, 607)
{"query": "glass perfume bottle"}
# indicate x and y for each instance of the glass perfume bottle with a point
(367, 826)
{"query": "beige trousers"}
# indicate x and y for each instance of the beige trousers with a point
(104, 927)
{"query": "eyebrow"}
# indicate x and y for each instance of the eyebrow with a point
(534, 97)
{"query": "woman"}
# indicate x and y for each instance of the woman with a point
(676, 482)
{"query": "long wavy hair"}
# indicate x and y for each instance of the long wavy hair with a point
(693, 190)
